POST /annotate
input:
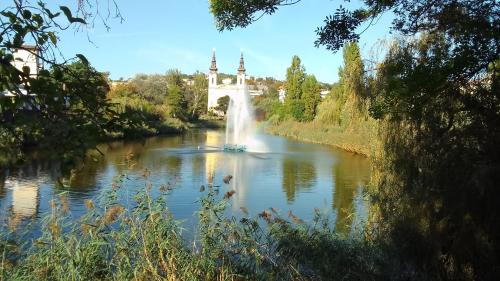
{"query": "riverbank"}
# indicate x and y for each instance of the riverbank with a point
(361, 140)
(171, 126)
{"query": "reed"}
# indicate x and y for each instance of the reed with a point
(144, 241)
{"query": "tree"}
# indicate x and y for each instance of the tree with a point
(174, 77)
(176, 102)
(153, 88)
(223, 104)
(198, 98)
(295, 75)
(64, 107)
(310, 96)
(439, 99)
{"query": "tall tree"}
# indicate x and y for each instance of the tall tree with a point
(198, 95)
(310, 96)
(440, 96)
(295, 75)
(176, 102)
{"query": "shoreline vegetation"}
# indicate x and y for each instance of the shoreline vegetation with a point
(316, 132)
(143, 241)
(432, 101)
(341, 119)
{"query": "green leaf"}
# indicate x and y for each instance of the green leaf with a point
(53, 37)
(26, 14)
(83, 59)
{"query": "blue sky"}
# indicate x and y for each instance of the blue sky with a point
(160, 35)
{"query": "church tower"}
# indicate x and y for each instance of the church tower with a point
(212, 75)
(240, 77)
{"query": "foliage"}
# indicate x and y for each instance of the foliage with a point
(175, 100)
(295, 76)
(153, 88)
(440, 168)
(310, 96)
(223, 104)
(198, 96)
(63, 108)
(142, 241)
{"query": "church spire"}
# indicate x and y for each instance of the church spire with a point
(241, 69)
(213, 67)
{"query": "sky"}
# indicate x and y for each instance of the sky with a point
(156, 36)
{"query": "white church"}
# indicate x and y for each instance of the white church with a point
(216, 91)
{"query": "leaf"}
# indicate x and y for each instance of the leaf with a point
(69, 16)
(53, 37)
(26, 70)
(83, 59)
(67, 12)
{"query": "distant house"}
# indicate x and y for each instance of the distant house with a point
(324, 93)
(188, 82)
(281, 94)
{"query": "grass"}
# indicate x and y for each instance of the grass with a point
(360, 139)
(143, 241)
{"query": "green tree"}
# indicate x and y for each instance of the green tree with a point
(310, 96)
(439, 95)
(63, 108)
(153, 88)
(223, 104)
(174, 77)
(295, 75)
(198, 98)
(176, 102)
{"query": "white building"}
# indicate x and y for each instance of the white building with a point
(216, 91)
(281, 94)
(27, 56)
(324, 93)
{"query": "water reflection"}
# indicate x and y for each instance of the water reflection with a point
(351, 173)
(298, 175)
(295, 176)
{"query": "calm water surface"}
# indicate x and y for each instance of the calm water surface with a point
(294, 176)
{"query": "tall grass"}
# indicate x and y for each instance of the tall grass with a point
(359, 139)
(144, 242)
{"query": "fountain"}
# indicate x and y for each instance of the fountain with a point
(239, 123)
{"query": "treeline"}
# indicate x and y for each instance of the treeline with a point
(341, 118)
(160, 103)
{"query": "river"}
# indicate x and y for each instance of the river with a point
(292, 176)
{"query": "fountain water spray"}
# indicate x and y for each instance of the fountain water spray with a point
(240, 122)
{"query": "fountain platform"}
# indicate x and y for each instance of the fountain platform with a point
(235, 148)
